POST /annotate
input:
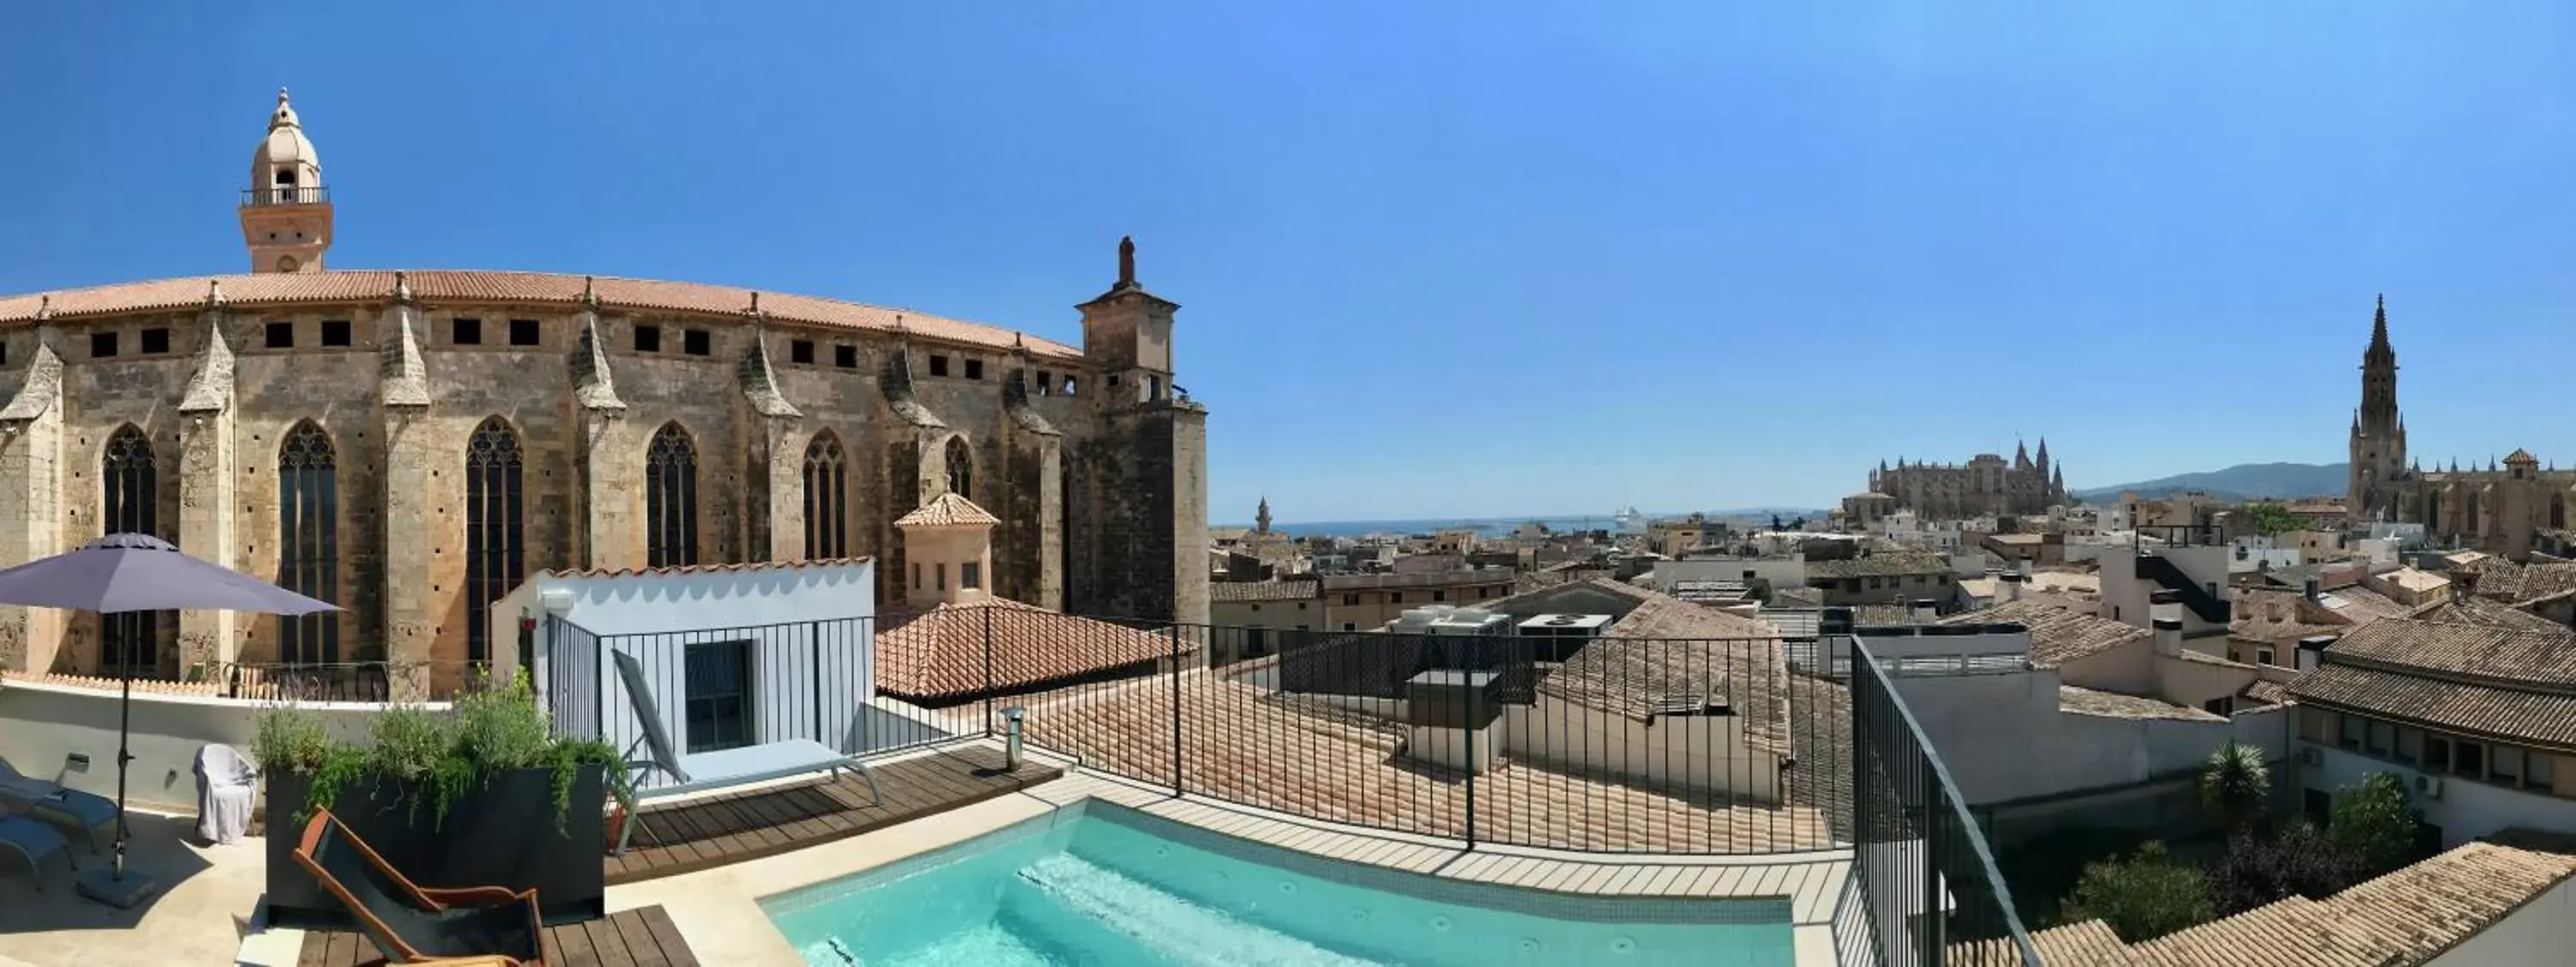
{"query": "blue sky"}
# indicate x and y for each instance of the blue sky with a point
(1455, 259)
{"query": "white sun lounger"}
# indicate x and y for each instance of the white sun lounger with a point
(703, 771)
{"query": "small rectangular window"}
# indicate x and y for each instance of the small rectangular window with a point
(1437, 596)
(102, 345)
(465, 332)
(2263, 655)
(695, 342)
(717, 704)
(1395, 597)
(938, 365)
(2543, 771)
(280, 335)
(1068, 386)
(2469, 759)
(2506, 766)
(916, 575)
(974, 369)
(1347, 626)
(1351, 598)
(1046, 383)
(525, 332)
(156, 341)
(2353, 727)
(2437, 754)
(335, 332)
(970, 575)
(648, 339)
(939, 573)
(845, 356)
(2410, 744)
(4, 354)
(2382, 739)
(800, 351)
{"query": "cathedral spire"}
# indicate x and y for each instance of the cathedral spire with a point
(2379, 327)
(1261, 518)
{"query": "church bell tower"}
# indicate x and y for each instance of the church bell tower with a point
(286, 211)
(2378, 449)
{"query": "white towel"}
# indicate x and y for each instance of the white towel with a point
(225, 786)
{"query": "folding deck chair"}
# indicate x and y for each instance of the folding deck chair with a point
(412, 924)
(703, 771)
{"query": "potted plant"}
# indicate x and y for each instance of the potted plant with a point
(452, 797)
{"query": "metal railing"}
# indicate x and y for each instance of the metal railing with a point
(286, 195)
(1616, 745)
(364, 681)
(1927, 887)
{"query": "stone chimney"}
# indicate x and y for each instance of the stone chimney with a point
(2008, 587)
(2169, 637)
(2022, 567)
(2309, 588)
(1925, 610)
(2163, 606)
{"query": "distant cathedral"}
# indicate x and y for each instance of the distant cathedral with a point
(1983, 485)
(2500, 509)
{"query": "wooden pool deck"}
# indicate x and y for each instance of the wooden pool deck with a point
(628, 938)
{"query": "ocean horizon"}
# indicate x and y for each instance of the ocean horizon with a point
(1488, 526)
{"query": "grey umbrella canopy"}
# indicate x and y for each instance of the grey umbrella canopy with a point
(139, 572)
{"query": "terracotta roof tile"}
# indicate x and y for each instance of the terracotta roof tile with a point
(2470, 609)
(2465, 651)
(2058, 634)
(2406, 917)
(1261, 590)
(2114, 705)
(941, 652)
(2537, 718)
(949, 509)
(1881, 565)
(268, 290)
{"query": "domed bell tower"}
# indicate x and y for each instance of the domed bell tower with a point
(286, 211)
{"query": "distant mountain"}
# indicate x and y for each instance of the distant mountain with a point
(2240, 482)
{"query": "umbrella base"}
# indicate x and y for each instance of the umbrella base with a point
(105, 887)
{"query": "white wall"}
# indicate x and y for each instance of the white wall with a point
(1782, 572)
(42, 724)
(2466, 811)
(1697, 752)
(812, 655)
(2542, 931)
(1991, 728)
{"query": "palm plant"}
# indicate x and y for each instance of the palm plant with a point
(2236, 785)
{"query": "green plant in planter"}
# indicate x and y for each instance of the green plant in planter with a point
(438, 755)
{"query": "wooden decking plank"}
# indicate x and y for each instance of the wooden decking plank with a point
(676, 950)
(577, 951)
(640, 942)
(314, 951)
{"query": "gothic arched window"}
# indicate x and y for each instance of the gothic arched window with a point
(671, 499)
(495, 548)
(129, 503)
(827, 499)
(961, 468)
(308, 543)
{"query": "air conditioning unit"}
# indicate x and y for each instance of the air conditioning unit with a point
(2429, 787)
(2311, 756)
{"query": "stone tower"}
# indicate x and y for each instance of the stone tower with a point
(2378, 452)
(1261, 518)
(286, 210)
(1138, 541)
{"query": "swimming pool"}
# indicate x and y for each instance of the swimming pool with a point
(1103, 884)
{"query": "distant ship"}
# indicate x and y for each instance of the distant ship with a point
(1629, 520)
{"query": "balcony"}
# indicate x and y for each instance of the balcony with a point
(286, 195)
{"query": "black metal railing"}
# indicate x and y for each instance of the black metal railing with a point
(364, 681)
(286, 195)
(1927, 890)
(1604, 745)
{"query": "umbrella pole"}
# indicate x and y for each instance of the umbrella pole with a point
(124, 730)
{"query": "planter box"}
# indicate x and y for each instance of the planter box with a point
(500, 835)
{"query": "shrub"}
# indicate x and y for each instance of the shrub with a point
(437, 756)
(2143, 897)
(2373, 826)
(2297, 861)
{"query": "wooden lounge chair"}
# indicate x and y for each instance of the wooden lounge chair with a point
(412, 924)
(703, 771)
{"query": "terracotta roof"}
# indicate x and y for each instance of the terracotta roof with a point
(432, 286)
(2057, 634)
(940, 653)
(1879, 565)
(2089, 944)
(2503, 580)
(2267, 692)
(2537, 718)
(2470, 609)
(1260, 590)
(947, 510)
(2464, 651)
(704, 568)
(1270, 750)
(2406, 917)
(2114, 705)
(2280, 616)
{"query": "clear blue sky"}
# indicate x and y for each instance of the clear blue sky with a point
(1450, 260)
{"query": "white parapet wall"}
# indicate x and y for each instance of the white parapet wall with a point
(43, 725)
(1700, 753)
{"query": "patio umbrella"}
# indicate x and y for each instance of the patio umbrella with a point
(139, 572)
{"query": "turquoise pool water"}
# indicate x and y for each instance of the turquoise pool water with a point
(1107, 885)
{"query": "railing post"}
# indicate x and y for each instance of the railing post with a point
(988, 670)
(814, 641)
(1175, 632)
(1470, 730)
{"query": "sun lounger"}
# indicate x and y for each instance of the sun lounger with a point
(702, 771)
(412, 924)
(88, 814)
(33, 842)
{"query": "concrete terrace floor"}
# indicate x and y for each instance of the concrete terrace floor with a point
(208, 897)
